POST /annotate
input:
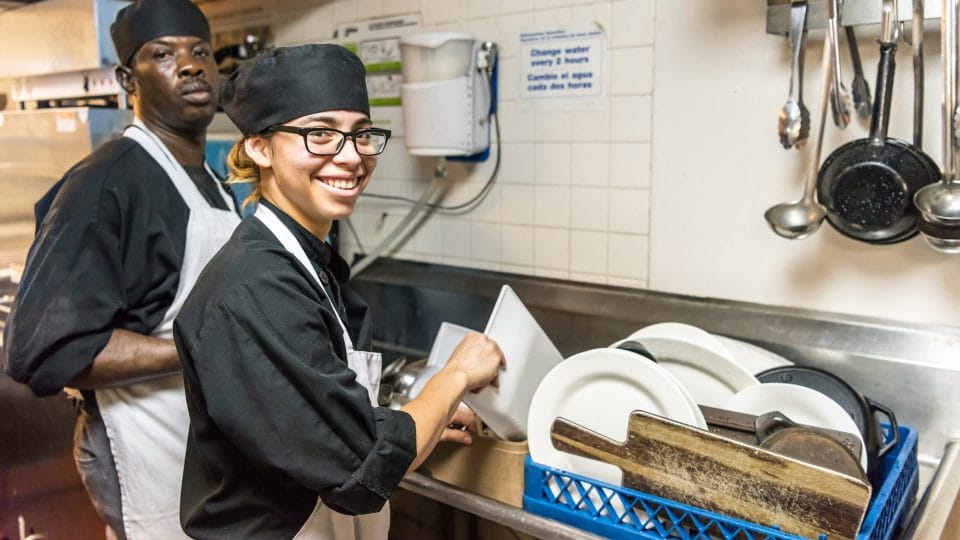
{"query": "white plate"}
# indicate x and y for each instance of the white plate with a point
(598, 389)
(686, 393)
(448, 337)
(529, 355)
(422, 378)
(698, 360)
(754, 359)
(801, 404)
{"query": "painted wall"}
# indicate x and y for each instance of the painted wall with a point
(665, 185)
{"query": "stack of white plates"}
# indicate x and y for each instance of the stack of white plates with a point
(701, 363)
(598, 389)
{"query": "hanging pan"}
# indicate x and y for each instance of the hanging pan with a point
(867, 185)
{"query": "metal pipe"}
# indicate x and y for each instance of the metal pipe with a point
(941, 502)
(440, 172)
(498, 512)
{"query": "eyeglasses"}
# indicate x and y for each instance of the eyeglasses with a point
(329, 141)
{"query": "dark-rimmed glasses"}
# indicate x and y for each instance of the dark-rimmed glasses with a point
(329, 141)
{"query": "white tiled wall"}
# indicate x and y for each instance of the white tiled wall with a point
(572, 198)
(665, 185)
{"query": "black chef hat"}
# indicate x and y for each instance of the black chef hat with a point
(144, 20)
(290, 82)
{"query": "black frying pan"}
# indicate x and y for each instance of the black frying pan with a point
(867, 185)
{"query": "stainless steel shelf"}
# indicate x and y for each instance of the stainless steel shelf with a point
(498, 512)
(852, 13)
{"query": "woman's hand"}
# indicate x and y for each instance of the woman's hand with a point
(461, 427)
(473, 365)
(479, 358)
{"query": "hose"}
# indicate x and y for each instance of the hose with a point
(439, 173)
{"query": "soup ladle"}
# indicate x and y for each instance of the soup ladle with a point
(939, 203)
(799, 219)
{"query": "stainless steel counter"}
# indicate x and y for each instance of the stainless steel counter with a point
(911, 368)
(495, 511)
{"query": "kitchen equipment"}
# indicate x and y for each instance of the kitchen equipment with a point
(939, 204)
(794, 120)
(867, 185)
(448, 337)
(490, 467)
(752, 358)
(697, 360)
(840, 103)
(696, 467)
(76, 37)
(36, 148)
(529, 355)
(801, 218)
(447, 93)
(230, 57)
(743, 427)
(783, 436)
(403, 381)
(422, 379)
(803, 405)
(860, 408)
(566, 497)
(635, 347)
(599, 389)
(859, 88)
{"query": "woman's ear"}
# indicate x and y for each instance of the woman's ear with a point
(258, 149)
(124, 76)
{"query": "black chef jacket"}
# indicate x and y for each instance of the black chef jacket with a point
(277, 418)
(107, 255)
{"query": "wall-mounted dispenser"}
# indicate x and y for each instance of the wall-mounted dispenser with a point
(447, 93)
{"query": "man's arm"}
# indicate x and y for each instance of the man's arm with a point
(128, 358)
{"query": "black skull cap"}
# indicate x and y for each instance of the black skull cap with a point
(289, 82)
(145, 20)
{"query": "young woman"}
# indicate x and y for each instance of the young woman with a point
(285, 437)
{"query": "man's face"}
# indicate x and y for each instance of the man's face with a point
(176, 83)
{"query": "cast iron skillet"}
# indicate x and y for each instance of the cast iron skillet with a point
(861, 408)
(637, 347)
(867, 185)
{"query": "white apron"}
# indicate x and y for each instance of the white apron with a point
(147, 422)
(324, 523)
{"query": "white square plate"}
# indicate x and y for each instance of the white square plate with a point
(529, 356)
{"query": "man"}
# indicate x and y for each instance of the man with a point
(119, 247)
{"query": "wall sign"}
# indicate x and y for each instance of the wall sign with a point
(562, 63)
(377, 43)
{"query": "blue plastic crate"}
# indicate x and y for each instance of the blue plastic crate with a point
(617, 512)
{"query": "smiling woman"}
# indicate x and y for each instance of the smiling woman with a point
(287, 440)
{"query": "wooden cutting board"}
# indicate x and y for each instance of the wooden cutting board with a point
(695, 467)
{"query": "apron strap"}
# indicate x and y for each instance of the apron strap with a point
(139, 132)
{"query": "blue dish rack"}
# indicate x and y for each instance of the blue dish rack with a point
(616, 512)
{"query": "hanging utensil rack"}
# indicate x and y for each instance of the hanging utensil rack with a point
(852, 13)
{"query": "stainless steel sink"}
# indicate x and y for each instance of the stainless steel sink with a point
(937, 516)
(913, 369)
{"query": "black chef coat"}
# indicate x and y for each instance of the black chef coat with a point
(277, 417)
(107, 255)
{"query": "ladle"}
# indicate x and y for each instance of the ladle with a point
(799, 219)
(939, 203)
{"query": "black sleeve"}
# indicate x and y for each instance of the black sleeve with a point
(70, 293)
(274, 385)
